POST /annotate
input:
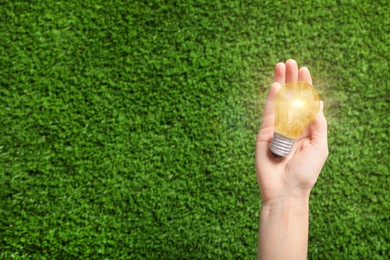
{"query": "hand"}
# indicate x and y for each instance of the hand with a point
(292, 176)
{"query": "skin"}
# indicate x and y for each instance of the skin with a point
(286, 182)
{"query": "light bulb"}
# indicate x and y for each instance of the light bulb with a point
(296, 105)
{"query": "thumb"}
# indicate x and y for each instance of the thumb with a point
(319, 130)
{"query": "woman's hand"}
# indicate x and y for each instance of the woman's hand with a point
(292, 176)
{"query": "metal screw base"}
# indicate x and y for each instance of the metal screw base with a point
(281, 145)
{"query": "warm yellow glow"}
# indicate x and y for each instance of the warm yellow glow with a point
(296, 105)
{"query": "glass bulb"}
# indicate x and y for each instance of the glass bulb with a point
(296, 105)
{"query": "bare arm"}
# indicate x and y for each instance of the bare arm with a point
(285, 183)
(284, 229)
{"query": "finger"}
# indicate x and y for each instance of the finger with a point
(291, 71)
(319, 129)
(269, 108)
(304, 75)
(280, 73)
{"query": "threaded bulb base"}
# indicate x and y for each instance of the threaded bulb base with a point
(281, 145)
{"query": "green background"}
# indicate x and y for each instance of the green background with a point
(128, 128)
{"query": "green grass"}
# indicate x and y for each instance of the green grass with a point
(128, 129)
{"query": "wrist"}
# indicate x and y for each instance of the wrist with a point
(286, 204)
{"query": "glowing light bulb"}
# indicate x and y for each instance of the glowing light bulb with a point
(296, 105)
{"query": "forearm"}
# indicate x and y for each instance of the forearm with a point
(283, 232)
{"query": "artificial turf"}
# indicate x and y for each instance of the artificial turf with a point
(128, 127)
